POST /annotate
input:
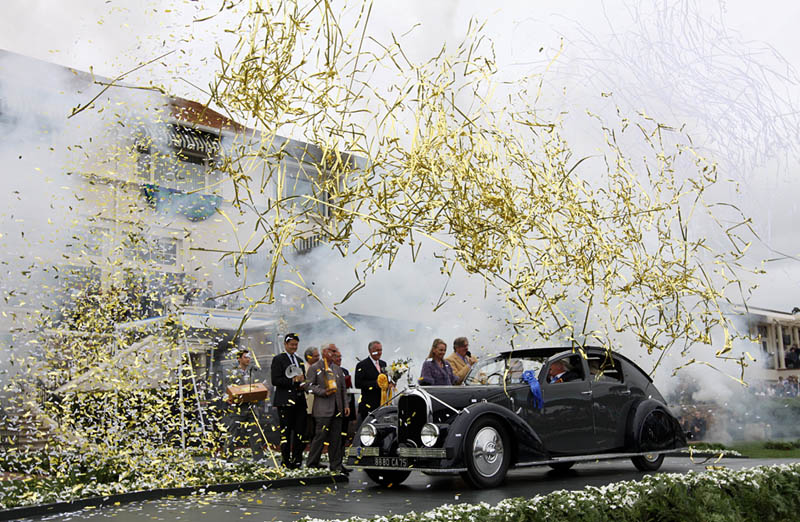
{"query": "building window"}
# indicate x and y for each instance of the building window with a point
(142, 249)
(87, 241)
(179, 158)
(300, 179)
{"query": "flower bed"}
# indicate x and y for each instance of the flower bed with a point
(49, 476)
(760, 493)
(701, 452)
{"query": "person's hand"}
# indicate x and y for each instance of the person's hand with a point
(330, 391)
(298, 378)
(346, 411)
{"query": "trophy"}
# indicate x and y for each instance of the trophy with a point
(292, 371)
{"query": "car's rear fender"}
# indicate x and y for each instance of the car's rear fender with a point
(526, 445)
(675, 438)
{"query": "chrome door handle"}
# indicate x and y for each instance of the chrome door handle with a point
(588, 392)
(625, 392)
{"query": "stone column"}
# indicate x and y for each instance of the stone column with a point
(771, 345)
(781, 351)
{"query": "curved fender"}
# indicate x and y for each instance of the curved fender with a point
(526, 445)
(638, 413)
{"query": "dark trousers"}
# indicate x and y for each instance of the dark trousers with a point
(293, 426)
(328, 431)
(240, 422)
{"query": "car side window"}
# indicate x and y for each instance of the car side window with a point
(604, 369)
(565, 369)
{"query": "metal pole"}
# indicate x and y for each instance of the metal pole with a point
(180, 400)
(194, 382)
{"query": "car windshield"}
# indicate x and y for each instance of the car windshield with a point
(496, 369)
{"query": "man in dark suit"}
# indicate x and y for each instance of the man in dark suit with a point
(290, 399)
(558, 373)
(367, 372)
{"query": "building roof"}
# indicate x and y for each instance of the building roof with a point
(768, 313)
(182, 109)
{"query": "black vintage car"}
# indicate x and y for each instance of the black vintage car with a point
(507, 415)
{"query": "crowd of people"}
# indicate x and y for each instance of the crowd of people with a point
(313, 403)
(787, 388)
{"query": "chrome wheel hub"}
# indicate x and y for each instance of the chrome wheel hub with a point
(487, 451)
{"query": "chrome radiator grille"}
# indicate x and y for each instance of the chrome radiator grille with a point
(412, 414)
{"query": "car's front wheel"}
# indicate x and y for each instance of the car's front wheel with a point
(387, 478)
(649, 462)
(487, 454)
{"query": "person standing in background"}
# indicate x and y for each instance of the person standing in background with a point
(351, 400)
(461, 360)
(290, 399)
(367, 371)
(240, 419)
(311, 355)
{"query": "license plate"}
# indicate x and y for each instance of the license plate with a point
(393, 462)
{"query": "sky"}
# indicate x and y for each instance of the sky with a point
(726, 69)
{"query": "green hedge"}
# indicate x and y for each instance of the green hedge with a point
(761, 493)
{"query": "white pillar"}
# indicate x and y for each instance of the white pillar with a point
(772, 345)
(781, 351)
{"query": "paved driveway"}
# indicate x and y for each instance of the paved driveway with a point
(361, 497)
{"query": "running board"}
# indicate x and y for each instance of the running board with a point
(588, 458)
(576, 458)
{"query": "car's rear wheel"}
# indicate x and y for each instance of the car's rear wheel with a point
(561, 466)
(387, 478)
(648, 462)
(487, 454)
(653, 433)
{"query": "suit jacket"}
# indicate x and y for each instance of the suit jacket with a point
(287, 391)
(460, 368)
(326, 405)
(367, 382)
(351, 399)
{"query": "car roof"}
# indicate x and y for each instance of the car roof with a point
(554, 350)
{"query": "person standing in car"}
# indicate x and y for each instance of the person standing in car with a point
(436, 371)
(461, 360)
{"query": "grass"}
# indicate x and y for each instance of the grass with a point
(767, 449)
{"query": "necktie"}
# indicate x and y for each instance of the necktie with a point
(294, 360)
(377, 365)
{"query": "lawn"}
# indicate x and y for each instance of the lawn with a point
(767, 449)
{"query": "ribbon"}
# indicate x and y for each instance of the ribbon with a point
(386, 391)
(536, 390)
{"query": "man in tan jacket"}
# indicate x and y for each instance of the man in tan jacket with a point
(461, 360)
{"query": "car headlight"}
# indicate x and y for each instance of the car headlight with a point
(429, 434)
(367, 434)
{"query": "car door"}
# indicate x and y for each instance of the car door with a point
(611, 400)
(565, 422)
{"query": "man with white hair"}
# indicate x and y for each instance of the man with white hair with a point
(327, 383)
(367, 372)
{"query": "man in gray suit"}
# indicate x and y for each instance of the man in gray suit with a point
(330, 407)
